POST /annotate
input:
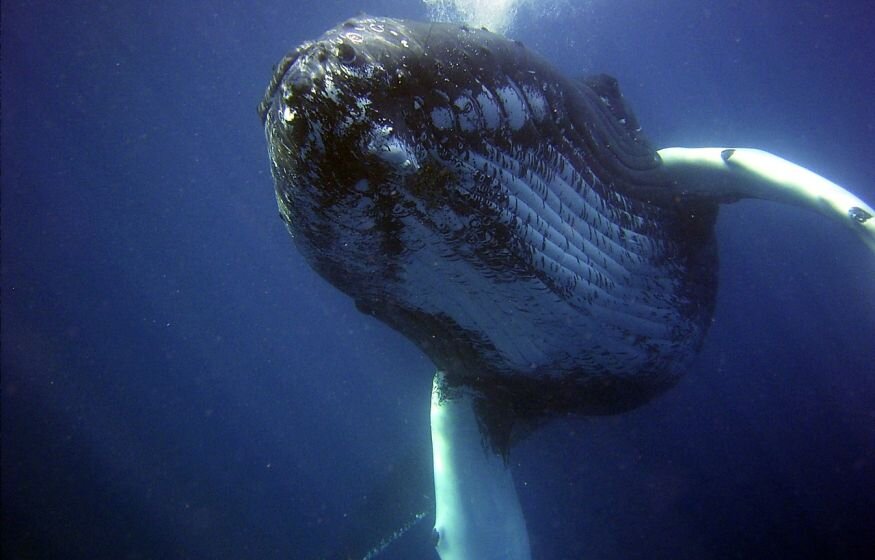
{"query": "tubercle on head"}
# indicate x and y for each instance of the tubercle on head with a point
(276, 79)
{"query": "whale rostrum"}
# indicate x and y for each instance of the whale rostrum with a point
(513, 223)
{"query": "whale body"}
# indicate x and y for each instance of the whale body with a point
(517, 226)
(513, 223)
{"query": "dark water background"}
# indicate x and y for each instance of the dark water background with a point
(176, 383)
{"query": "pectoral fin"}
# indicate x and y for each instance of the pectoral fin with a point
(729, 174)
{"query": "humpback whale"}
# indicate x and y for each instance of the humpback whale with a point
(517, 226)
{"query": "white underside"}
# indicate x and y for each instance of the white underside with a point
(478, 514)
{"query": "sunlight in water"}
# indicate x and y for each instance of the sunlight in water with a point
(495, 15)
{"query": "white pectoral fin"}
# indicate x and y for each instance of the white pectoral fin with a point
(477, 511)
(732, 173)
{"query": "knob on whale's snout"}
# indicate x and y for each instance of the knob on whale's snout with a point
(298, 83)
(305, 73)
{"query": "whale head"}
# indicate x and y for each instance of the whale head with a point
(342, 154)
(361, 125)
(461, 190)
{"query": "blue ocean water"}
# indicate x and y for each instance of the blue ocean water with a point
(177, 383)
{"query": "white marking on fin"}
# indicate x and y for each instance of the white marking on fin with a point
(477, 511)
(751, 173)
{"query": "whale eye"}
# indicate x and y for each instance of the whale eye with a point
(345, 53)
